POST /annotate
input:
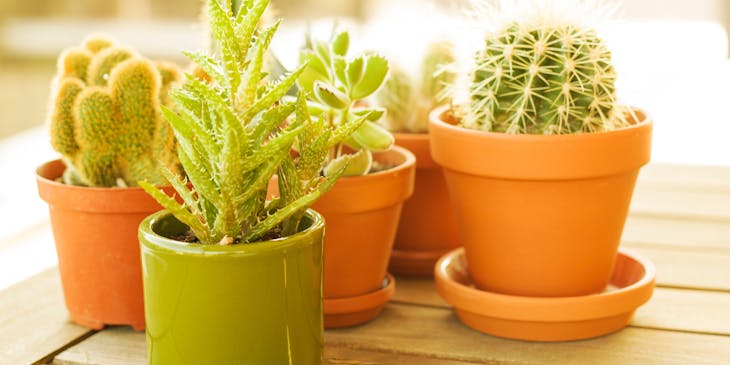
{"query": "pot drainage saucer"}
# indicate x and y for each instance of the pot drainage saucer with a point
(414, 263)
(351, 311)
(547, 318)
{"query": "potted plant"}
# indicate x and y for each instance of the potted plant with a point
(363, 209)
(229, 275)
(542, 159)
(427, 228)
(105, 121)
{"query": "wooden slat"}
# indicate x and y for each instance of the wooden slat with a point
(427, 335)
(686, 310)
(686, 177)
(123, 346)
(700, 205)
(436, 333)
(34, 321)
(677, 232)
(688, 267)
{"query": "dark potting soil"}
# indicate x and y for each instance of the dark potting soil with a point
(189, 236)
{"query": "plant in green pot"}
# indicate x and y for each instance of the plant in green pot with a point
(427, 227)
(363, 209)
(541, 163)
(106, 122)
(229, 275)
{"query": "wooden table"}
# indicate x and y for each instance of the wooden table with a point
(680, 219)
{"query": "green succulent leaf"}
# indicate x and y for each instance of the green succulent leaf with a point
(356, 164)
(326, 94)
(354, 70)
(373, 137)
(341, 44)
(376, 68)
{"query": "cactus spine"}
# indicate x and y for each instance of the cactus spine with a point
(409, 99)
(105, 116)
(543, 77)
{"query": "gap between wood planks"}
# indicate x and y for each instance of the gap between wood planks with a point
(49, 358)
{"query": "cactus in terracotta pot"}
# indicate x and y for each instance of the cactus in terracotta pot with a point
(543, 73)
(105, 115)
(408, 98)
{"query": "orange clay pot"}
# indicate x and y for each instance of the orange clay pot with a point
(361, 215)
(95, 230)
(427, 228)
(540, 215)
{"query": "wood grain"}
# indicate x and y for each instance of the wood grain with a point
(697, 205)
(669, 231)
(123, 346)
(34, 321)
(685, 177)
(689, 268)
(425, 335)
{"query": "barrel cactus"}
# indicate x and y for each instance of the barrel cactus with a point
(544, 76)
(410, 99)
(105, 116)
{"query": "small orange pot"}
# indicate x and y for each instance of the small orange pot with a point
(95, 230)
(540, 215)
(361, 215)
(427, 228)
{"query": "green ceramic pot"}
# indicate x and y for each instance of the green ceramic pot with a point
(258, 303)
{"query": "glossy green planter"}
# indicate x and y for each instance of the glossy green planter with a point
(258, 303)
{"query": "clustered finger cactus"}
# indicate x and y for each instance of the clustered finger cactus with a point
(235, 132)
(105, 116)
(337, 86)
(409, 99)
(535, 76)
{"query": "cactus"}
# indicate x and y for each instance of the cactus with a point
(105, 117)
(408, 99)
(543, 76)
(235, 131)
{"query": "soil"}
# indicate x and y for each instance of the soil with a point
(188, 237)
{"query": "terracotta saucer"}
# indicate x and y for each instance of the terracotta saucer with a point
(547, 318)
(346, 312)
(414, 263)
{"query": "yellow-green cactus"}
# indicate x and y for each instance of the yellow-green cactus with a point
(409, 99)
(105, 115)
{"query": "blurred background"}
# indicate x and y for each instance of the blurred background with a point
(671, 55)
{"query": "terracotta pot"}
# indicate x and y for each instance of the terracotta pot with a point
(362, 215)
(540, 215)
(95, 230)
(256, 303)
(427, 228)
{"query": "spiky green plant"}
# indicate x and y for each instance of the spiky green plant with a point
(409, 99)
(105, 115)
(544, 76)
(235, 132)
(337, 86)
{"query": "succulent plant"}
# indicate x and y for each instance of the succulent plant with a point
(409, 99)
(337, 86)
(235, 132)
(544, 76)
(105, 116)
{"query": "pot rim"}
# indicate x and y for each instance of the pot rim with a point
(150, 240)
(541, 157)
(644, 120)
(45, 180)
